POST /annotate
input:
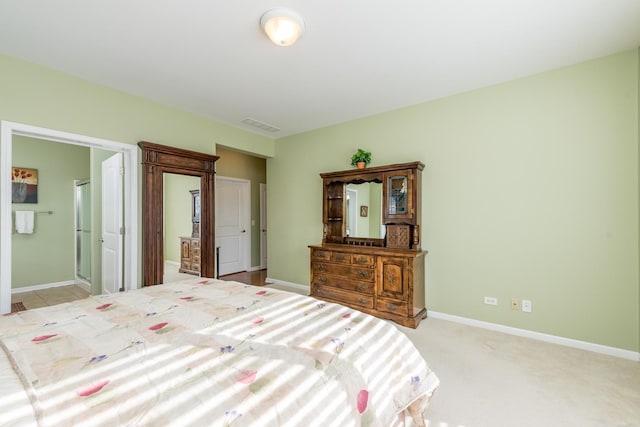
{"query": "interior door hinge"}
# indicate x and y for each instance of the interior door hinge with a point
(122, 231)
(122, 171)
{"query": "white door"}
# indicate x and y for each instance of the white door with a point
(112, 224)
(232, 224)
(263, 225)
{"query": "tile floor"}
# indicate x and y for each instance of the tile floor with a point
(50, 296)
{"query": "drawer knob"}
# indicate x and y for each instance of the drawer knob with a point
(391, 307)
(362, 273)
(340, 257)
(322, 279)
(362, 259)
(322, 267)
(362, 301)
(362, 287)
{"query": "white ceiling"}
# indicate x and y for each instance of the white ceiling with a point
(356, 58)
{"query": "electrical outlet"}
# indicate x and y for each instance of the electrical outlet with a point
(526, 305)
(491, 301)
(515, 304)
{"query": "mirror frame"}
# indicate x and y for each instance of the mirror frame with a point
(156, 161)
(402, 230)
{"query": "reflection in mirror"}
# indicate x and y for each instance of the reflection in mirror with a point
(177, 221)
(364, 210)
(398, 195)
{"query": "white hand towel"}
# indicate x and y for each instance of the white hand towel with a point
(24, 222)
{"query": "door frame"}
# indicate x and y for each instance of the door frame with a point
(246, 216)
(157, 160)
(263, 226)
(7, 130)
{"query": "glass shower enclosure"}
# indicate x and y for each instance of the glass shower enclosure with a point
(83, 230)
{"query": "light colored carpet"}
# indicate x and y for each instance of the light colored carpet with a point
(492, 379)
(171, 273)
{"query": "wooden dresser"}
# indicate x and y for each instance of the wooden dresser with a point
(190, 255)
(387, 285)
(378, 274)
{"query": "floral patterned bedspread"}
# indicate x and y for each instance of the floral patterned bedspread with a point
(214, 353)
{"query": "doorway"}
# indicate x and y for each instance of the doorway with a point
(263, 226)
(10, 129)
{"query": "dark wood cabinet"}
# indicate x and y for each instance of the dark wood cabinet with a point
(380, 275)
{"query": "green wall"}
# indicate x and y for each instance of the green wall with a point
(47, 255)
(38, 96)
(530, 190)
(234, 164)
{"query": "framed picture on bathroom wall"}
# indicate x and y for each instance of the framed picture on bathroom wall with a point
(24, 185)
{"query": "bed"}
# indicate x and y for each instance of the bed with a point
(208, 352)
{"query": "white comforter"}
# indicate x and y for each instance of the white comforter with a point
(208, 352)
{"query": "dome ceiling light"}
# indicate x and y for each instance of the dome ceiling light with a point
(283, 26)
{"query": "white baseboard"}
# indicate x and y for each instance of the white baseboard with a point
(568, 342)
(284, 284)
(43, 286)
(256, 268)
(174, 263)
(83, 284)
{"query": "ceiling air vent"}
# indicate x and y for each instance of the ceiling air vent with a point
(261, 125)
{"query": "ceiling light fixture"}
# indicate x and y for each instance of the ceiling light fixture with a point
(283, 26)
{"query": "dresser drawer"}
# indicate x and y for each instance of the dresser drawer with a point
(393, 306)
(365, 287)
(321, 255)
(195, 252)
(346, 271)
(341, 257)
(344, 297)
(359, 259)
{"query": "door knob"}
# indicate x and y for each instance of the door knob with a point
(244, 231)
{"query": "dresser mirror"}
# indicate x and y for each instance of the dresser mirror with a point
(377, 206)
(364, 210)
